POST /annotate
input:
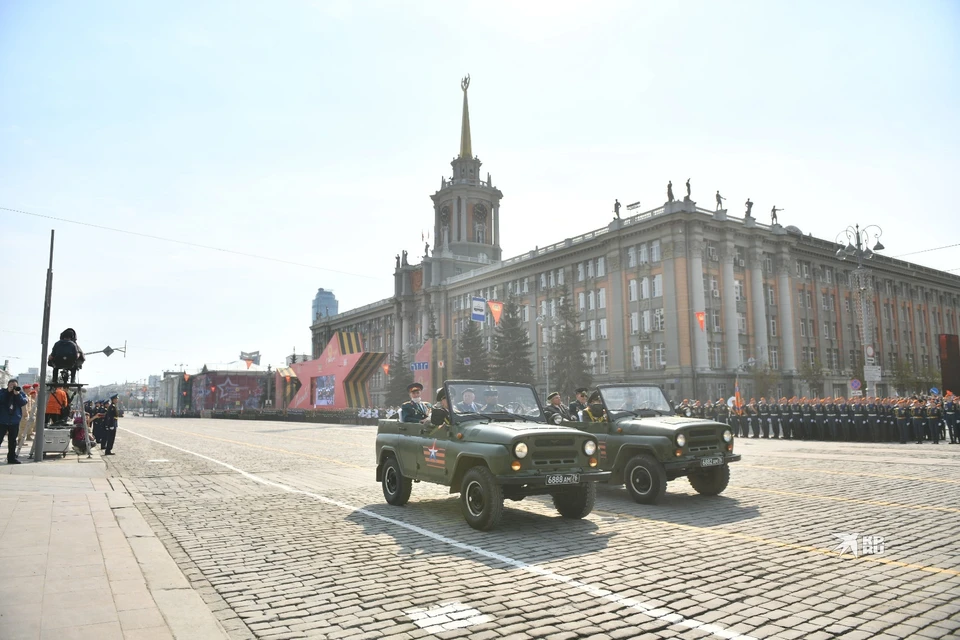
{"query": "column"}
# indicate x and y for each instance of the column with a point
(756, 302)
(397, 330)
(673, 257)
(697, 301)
(785, 295)
(731, 335)
(616, 330)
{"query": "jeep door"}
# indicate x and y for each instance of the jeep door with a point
(434, 453)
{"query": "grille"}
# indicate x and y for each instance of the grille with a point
(552, 458)
(553, 442)
(703, 440)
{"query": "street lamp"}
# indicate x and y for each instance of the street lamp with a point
(552, 324)
(858, 246)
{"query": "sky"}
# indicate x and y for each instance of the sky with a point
(315, 132)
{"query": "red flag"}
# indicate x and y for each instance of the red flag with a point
(702, 319)
(496, 308)
(386, 369)
(737, 400)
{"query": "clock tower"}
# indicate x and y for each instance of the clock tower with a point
(467, 207)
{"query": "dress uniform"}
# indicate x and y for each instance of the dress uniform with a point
(933, 421)
(440, 416)
(902, 421)
(413, 410)
(723, 412)
(950, 417)
(555, 413)
(111, 416)
(577, 405)
(918, 417)
(594, 411)
(753, 419)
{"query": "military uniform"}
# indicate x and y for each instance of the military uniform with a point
(111, 417)
(554, 413)
(902, 422)
(933, 421)
(918, 417)
(411, 410)
(950, 417)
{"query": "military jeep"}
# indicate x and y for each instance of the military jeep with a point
(644, 445)
(494, 444)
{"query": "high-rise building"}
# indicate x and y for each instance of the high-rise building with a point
(681, 296)
(324, 305)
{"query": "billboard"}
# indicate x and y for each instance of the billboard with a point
(339, 378)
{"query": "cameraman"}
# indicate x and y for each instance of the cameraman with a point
(12, 400)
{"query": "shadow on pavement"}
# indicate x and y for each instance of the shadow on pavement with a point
(524, 535)
(677, 508)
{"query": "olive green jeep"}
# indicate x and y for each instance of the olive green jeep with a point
(491, 442)
(644, 445)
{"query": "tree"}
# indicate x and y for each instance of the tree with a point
(812, 374)
(400, 378)
(511, 347)
(902, 376)
(432, 331)
(927, 378)
(471, 347)
(765, 381)
(569, 368)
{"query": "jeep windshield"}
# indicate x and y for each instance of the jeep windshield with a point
(493, 401)
(639, 401)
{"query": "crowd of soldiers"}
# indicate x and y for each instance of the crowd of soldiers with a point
(101, 416)
(905, 419)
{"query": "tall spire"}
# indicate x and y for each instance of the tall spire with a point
(466, 149)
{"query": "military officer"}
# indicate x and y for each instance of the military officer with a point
(414, 410)
(490, 397)
(111, 417)
(594, 411)
(918, 418)
(902, 420)
(933, 420)
(763, 411)
(468, 404)
(555, 412)
(710, 411)
(579, 404)
(753, 419)
(440, 415)
(723, 412)
(950, 417)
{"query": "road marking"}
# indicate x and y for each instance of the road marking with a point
(281, 435)
(159, 460)
(725, 533)
(848, 473)
(250, 444)
(647, 608)
(876, 503)
(446, 617)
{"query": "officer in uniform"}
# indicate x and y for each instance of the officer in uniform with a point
(950, 417)
(555, 412)
(918, 417)
(933, 420)
(684, 409)
(763, 409)
(859, 433)
(841, 418)
(579, 404)
(414, 410)
(829, 419)
(753, 421)
(594, 411)
(723, 412)
(490, 397)
(710, 411)
(902, 420)
(440, 415)
(111, 416)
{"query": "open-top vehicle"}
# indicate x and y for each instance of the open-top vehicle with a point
(498, 447)
(644, 445)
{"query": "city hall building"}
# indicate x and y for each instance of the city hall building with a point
(679, 296)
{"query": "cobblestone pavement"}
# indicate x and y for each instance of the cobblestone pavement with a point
(293, 540)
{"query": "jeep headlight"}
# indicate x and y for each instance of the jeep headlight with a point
(520, 450)
(727, 436)
(681, 439)
(589, 447)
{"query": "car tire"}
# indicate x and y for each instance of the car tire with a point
(710, 482)
(576, 503)
(645, 479)
(396, 488)
(481, 499)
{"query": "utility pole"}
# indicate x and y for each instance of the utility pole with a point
(857, 246)
(42, 396)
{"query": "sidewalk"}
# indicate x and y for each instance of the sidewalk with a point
(78, 561)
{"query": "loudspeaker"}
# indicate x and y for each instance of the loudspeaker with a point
(950, 363)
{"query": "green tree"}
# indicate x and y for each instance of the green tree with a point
(432, 331)
(511, 347)
(400, 378)
(765, 381)
(812, 375)
(927, 378)
(568, 352)
(471, 347)
(903, 380)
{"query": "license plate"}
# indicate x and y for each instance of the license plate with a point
(564, 478)
(713, 461)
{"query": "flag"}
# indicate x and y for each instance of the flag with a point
(701, 318)
(737, 400)
(496, 308)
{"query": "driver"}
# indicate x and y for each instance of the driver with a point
(555, 412)
(594, 411)
(468, 404)
(490, 397)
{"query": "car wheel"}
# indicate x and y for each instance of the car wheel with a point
(396, 488)
(645, 479)
(710, 482)
(481, 499)
(577, 502)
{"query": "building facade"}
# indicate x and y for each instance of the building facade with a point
(681, 296)
(324, 304)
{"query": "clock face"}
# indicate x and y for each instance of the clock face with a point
(444, 214)
(479, 212)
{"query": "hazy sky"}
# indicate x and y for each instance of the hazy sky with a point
(315, 132)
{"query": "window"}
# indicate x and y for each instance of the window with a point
(526, 313)
(799, 272)
(635, 322)
(579, 272)
(768, 264)
(647, 357)
(553, 280)
(773, 327)
(602, 298)
(592, 330)
(589, 268)
(480, 233)
(635, 358)
(806, 270)
(828, 273)
(645, 324)
(590, 300)
(655, 251)
(739, 292)
(716, 356)
(593, 362)
(559, 276)
(553, 307)
(644, 288)
(741, 322)
(526, 285)
(583, 327)
(543, 308)
(543, 281)
(715, 315)
(581, 301)
(823, 301)
(661, 354)
(800, 299)
(658, 319)
(603, 362)
(774, 353)
(742, 354)
(632, 290)
(826, 330)
(657, 285)
(809, 300)
(714, 286)
(643, 254)
(771, 296)
(603, 328)
(601, 268)
(632, 257)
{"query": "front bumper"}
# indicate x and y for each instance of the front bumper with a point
(541, 480)
(689, 464)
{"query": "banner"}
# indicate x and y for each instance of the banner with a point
(478, 312)
(702, 319)
(250, 357)
(496, 309)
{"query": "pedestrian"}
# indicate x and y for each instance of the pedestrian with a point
(29, 419)
(12, 401)
(110, 423)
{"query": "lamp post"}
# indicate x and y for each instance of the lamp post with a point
(857, 246)
(551, 323)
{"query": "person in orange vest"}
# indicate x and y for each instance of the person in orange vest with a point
(57, 405)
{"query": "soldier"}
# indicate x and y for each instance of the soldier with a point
(440, 415)
(555, 412)
(830, 419)
(841, 418)
(950, 417)
(753, 419)
(490, 404)
(684, 409)
(594, 411)
(933, 420)
(697, 410)
(111, 417)
(738, 421)
(468, 405)
(579, 404)
(902, 420)
(819, 419)
(723, 412)
(859, 420)
(414, 410)
(710, 411)
(918, 418)
(763, 409)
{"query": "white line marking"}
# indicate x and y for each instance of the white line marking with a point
(447, 616)
(646, 608)
(158, 459)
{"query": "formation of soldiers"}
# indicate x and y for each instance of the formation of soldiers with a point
(914, 419)
(102, 417)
